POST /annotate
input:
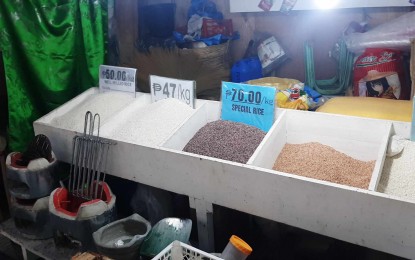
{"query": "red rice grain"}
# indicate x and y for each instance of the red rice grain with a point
(322, 162)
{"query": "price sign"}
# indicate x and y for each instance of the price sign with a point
(113, 78)
(252, 105)
(183, 90)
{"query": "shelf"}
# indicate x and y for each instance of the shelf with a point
(240, 6)
(44, 248)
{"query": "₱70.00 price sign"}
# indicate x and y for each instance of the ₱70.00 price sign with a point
(183, 90)
(252, 105)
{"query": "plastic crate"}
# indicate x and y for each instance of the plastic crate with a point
(181, 251)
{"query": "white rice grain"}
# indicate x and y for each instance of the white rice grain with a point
(152, 124)
(398, 175)
(105, 104)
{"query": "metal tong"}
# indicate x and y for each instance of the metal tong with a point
(89, 157)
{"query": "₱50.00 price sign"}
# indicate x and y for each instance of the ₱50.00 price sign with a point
(252, 105)
(183, 90)
(112, 78)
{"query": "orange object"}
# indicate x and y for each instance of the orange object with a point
(240, 245)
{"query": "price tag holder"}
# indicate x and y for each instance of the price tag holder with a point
(183, 90)
(252, 105)
(113, 78)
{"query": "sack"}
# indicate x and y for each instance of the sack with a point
(380, 73)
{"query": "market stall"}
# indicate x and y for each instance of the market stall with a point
(360, 215)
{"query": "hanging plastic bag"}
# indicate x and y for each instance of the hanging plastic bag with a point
(266, 4)
(287, 6)
(271, 54)
(396, 34)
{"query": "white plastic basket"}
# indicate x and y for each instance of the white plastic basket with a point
(181, 251)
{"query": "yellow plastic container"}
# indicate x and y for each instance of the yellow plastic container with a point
(380, 108)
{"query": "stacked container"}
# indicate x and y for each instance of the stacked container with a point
(29, 187)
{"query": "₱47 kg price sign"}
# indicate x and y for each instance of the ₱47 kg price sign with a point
(252, 105)
(162, 88)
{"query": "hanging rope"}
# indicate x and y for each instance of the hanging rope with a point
(340, 82)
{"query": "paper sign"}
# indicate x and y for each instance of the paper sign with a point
(252, 105)
(183, 90)
(113, 78)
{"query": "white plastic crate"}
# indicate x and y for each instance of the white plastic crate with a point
(181, 251)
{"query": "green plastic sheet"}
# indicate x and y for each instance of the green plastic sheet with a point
(52, 50)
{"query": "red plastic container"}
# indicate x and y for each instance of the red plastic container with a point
(211, 27)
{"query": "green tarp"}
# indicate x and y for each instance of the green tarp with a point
(52, 50)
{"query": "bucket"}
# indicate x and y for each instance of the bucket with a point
(31, 217)
(74, 219)
(37, 180)
(121, 239)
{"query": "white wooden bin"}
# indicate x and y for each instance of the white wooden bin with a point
(208, 113)
(61, 137)
(133, 109)
(359, 138)
(363, 217)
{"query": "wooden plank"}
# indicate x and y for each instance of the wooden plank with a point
(271, 146)
(363, 217)
(204, 215)
(377, 171)
(252, 6)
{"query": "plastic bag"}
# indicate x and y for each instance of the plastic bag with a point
(271, 54)
(204, 8)
(314, 99)
(395, 34)
(278, 83)
(152, 203)
(284, 101)
(380, 73)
